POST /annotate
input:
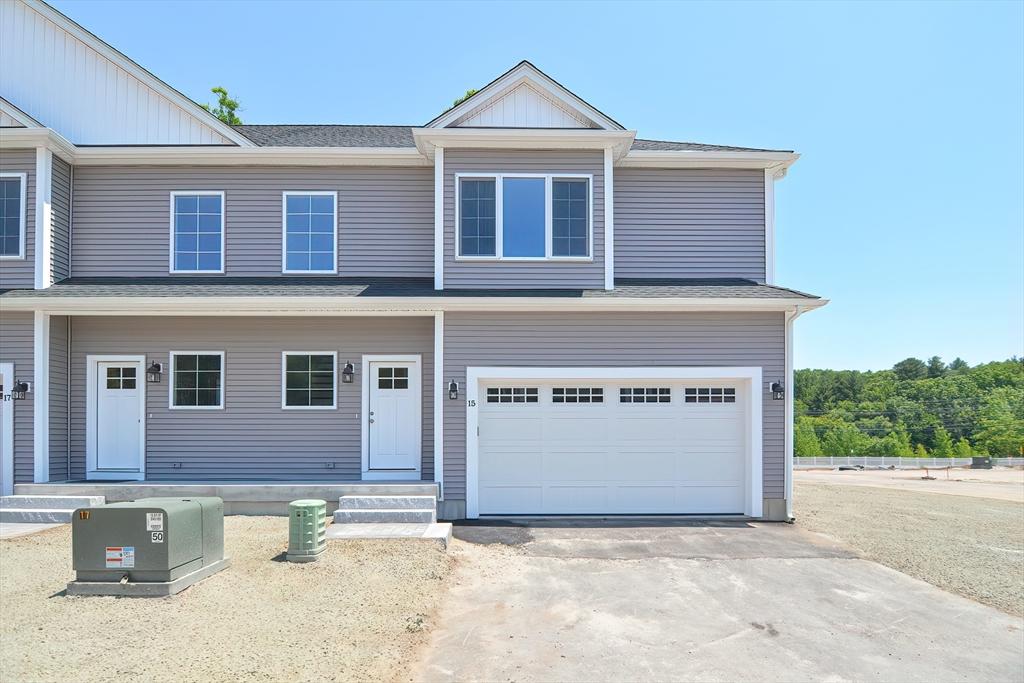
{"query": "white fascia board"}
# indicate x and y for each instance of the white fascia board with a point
(412, 306)
(512, 79)
(9, 108)
(777, 161)
(19, 138)
(523, 138)
(246, 156)
(140, 73)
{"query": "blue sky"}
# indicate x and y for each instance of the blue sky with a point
(906, 208)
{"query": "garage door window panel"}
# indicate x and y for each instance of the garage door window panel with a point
(577, 395)
(513, 394)
(645, 395)
(710, 395)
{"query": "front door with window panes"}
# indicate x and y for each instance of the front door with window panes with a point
(394, 421)
(118, 415)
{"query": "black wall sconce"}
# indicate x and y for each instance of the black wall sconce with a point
(778, 391)
(453, 390)
(19, 390)
(348, 374)
(153, 372)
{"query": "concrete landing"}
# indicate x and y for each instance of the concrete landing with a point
(437, 531)
(15, 529)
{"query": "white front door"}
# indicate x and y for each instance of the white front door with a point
(394, 421)
(116, 431)
(6, 429)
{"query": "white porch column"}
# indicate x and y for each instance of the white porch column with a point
(440, 394)
(609, 219)
(439, 218)
(788, 431)
(41, 397)
(44, 218)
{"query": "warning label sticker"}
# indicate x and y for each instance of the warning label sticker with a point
(154, 521)
(120, 557)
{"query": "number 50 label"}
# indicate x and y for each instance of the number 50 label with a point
(157, 537)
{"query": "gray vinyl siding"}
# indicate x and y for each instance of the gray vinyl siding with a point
(58, 398)
(460, 274)
(613, 340)
(252, 438)
(122, 218)
(20, 273)
(16, 344)
(60, 241)
(689, 223)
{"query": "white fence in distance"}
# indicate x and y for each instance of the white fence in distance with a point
(899, 463)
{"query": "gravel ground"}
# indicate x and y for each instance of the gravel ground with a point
(970, 546)
(360, 613)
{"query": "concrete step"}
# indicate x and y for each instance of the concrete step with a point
(50, 502)
(387, 503)
(440, 532)
(385, 488)
(385, 516)
(37, 516)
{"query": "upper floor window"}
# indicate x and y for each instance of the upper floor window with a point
(524, 216)
(310, 232)
(197, 232)
(12, 215)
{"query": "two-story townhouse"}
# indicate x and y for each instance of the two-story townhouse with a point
(519, 302)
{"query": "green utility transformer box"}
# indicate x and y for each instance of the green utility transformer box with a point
(307, 530)
(149, 547)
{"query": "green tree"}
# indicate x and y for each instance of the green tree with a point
(936, 368)
(1001, 423)
(805, 439)
(958, 365)
(910, 368)
(460, 100)
(896, 443)
(920, 451)
(226, 107)
(843, 439)
(942, 444)
(962, 449)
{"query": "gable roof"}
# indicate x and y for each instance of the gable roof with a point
(551, 92)
(78, 85)
(11, 116)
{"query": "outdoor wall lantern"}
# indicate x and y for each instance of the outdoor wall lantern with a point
(453, 390)
(154, 371)
(19, 390)
(778, 391)
(348, 374)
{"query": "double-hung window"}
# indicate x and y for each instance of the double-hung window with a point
(308, 379)
(310, 232)
(12, 215)
(197, 379)
(524, 216)
(197, 232)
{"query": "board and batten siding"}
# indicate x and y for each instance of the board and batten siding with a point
(689, 223)
(252, 438)
(16, 346)
(122, 218)
(60, 240)
(614, 340)
(473, 274)
(20, 273)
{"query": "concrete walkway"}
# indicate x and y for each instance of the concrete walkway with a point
(15, 529)
(717, 602)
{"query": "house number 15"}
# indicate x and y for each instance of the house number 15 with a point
(471, 403)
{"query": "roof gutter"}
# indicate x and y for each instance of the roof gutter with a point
(778, 162)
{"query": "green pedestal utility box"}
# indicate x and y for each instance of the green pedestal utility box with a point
(148, 547)
(307, 530)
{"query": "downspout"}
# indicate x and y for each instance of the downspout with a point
(790, 317)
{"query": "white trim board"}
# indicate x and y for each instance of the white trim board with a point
(440, 394)
(7, 430)
(91, 471)
(44, 218)
(364, 427)
(754, 500)
(23, 225)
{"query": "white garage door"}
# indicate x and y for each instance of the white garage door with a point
(586, 447)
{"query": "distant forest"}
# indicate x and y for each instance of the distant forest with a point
(918, 408)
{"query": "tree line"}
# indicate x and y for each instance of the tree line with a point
(916, 409)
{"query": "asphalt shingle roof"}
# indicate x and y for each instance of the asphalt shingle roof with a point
(391, 287)
(401, 136)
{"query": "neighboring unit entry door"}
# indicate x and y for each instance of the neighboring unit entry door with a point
(119, 406)
(394, 422)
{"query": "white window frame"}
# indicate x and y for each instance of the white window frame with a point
(223, 217)
(284, 379)
(20, 256)
(284, 231)
(499, 218)
(170, 383)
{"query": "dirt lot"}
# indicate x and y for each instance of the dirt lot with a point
(1002, 483)
(360, 613)
(969, 545)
